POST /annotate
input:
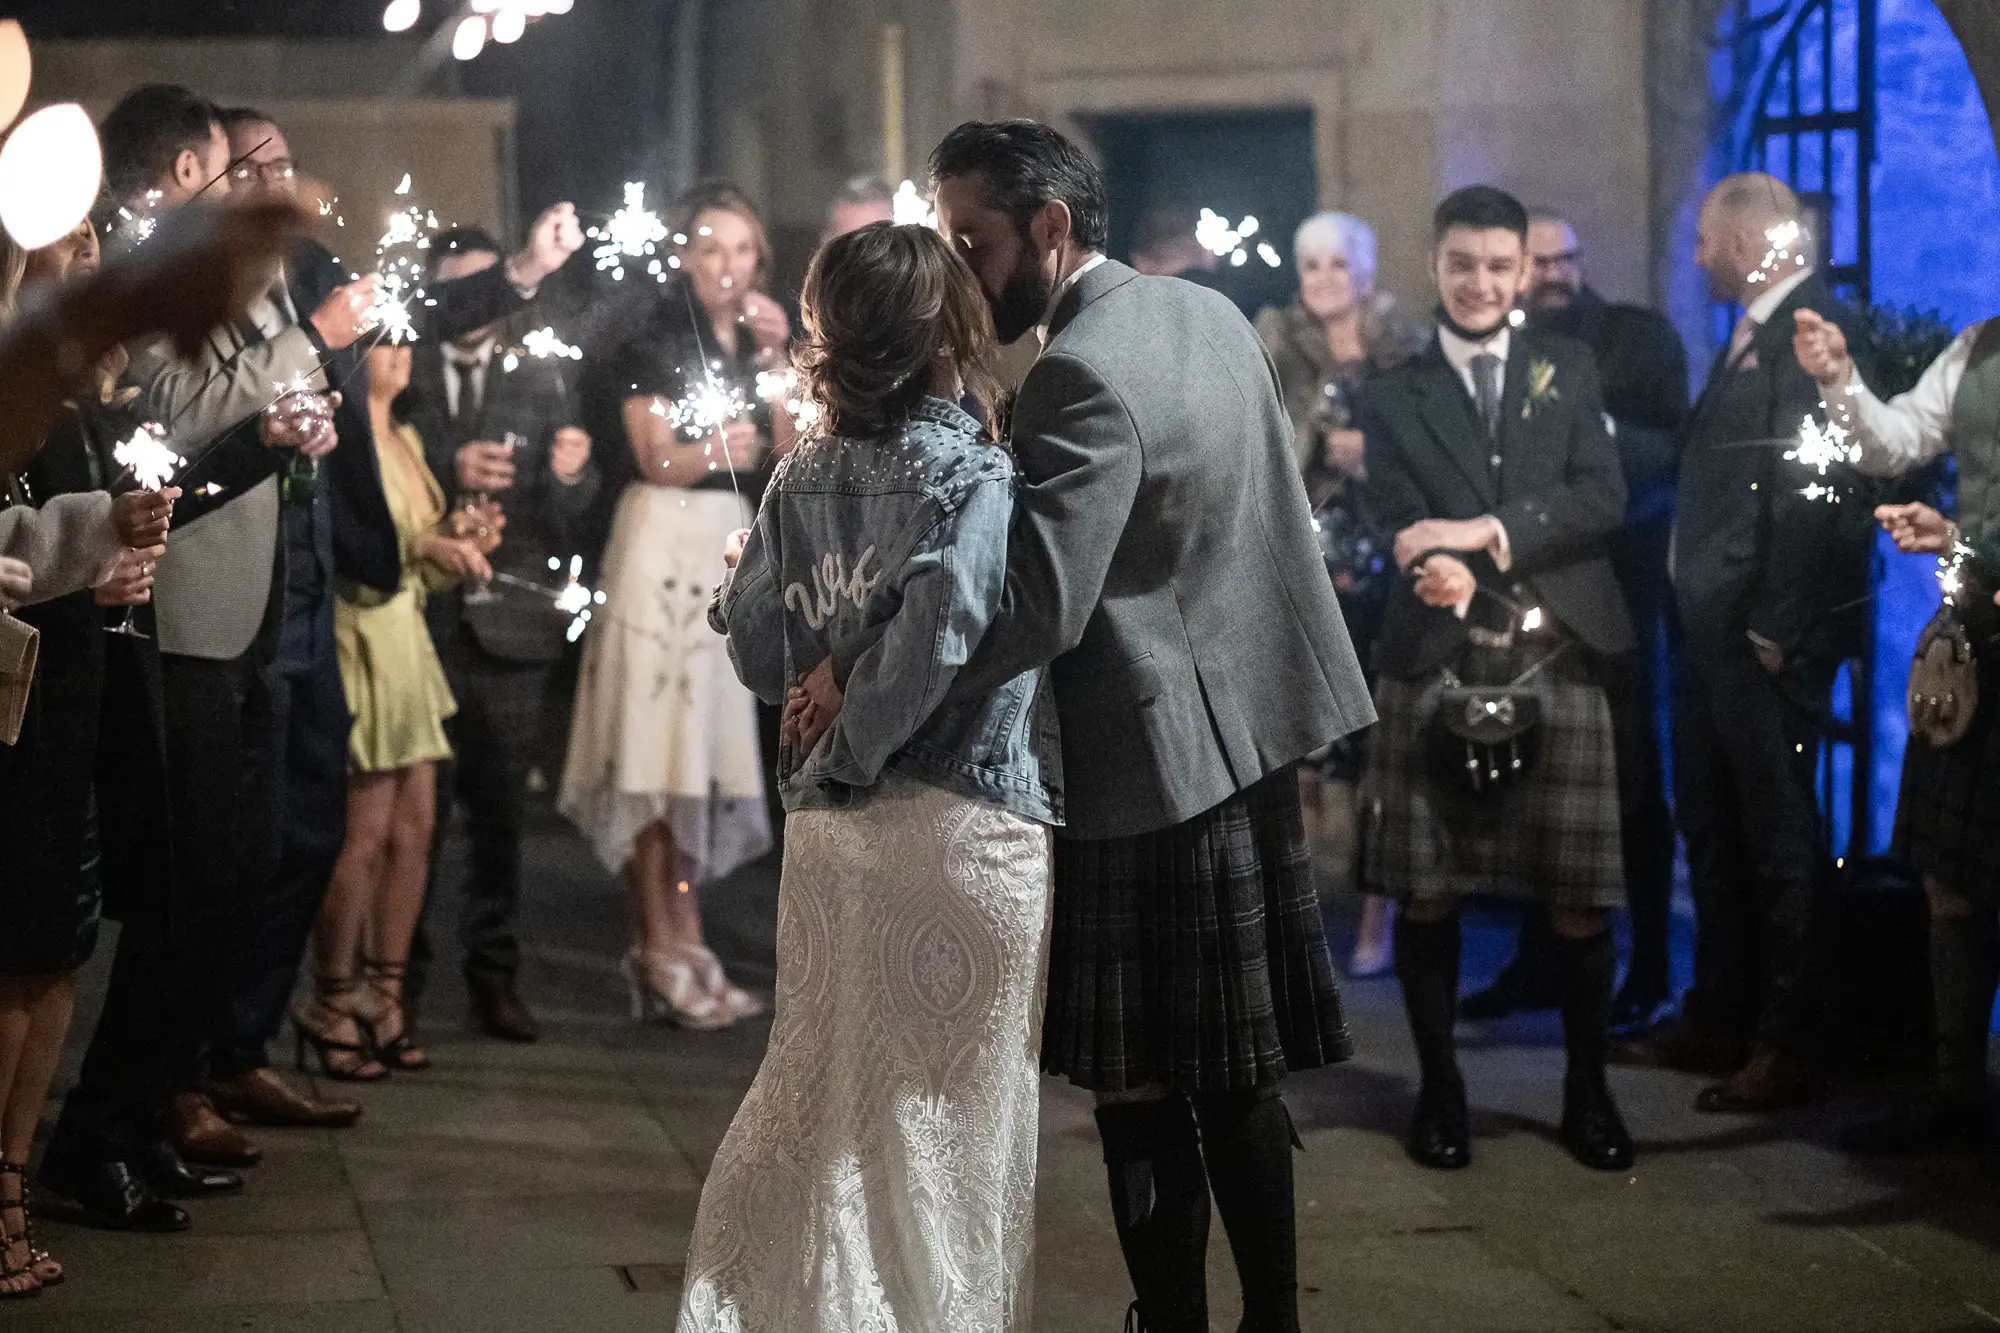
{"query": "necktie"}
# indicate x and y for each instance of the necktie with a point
(1739, 339)
(1486, 389)
(468, 393)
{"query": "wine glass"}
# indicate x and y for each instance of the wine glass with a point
(472, 524)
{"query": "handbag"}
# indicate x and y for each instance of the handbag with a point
(1944, 681)
(1485, 738)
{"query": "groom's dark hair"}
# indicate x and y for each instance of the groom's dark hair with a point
(1024, 166)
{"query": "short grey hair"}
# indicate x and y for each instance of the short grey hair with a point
(1337, 234)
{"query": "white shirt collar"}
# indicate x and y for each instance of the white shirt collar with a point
(475, 360)
(1767, 302)
(1062, 290)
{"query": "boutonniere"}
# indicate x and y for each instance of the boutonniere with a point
(1542, 388)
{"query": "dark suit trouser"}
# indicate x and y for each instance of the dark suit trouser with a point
(222, 801)
(1745, 753)
(308, 764)
(128, 1069)
(493, 745)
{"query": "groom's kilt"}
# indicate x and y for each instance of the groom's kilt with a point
(1194, 956)
(1554, 839)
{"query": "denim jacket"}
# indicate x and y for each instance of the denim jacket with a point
(899, 543)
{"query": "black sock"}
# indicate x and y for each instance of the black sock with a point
(1427, 967)
(1588, 973)
(1246, 1139)
(1965, 956)
(1159, 1201)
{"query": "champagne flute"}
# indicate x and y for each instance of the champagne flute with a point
(474, 526)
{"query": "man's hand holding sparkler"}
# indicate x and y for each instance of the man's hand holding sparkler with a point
(1917, 529)
(301, 420)
(1822, 351)
(555, 236)
(347, 312)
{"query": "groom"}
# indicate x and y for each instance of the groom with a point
(1162, 564)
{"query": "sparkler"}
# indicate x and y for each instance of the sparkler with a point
(633, 233)
(910, 207)
(780, 388)
(399, 263)
(1214, 234)
(1823, 448)
(705, 409)
(573, 599)
(138, 227)
(147, 457)
(1785, 250)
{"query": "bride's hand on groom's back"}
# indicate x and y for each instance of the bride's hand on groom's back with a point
(811, 708)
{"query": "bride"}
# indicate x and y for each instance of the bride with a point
(879, 1175)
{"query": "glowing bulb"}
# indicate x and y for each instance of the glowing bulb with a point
(50, 169)
(560, 6)
(508, 25)
(15, 70)
(402, 15)
(470, 39)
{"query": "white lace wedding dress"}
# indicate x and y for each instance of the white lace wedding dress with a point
(879, 1177)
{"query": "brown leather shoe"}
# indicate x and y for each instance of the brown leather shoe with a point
(202, 1136)
(1675, 1044)
(499, 1010)
(1771, 1081)
(263, 1097)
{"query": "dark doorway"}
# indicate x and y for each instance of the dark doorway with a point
(1256, 163)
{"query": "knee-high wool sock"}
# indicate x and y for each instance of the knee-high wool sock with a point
(1159, 1201)
(1965, 960)
(1427, 967)
(1588, 973)
(1247, 1140)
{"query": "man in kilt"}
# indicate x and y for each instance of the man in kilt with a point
(1489, 457)
(1162, 560)
(1944, 814)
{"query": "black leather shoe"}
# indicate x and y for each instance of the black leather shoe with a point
(110, 1196)
(498, 1008)
(1515, 991)
(172, 1178)
(1923, 1123)
(1440, 1131)
(1592, 1129)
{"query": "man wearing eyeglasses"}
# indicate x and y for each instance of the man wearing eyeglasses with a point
(1643, 369)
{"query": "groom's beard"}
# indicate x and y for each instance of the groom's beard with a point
(1020, 304)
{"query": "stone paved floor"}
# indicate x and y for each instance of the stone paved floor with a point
(549, 1189)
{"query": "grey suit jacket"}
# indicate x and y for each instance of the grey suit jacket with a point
(213, 585)
(1162, 559)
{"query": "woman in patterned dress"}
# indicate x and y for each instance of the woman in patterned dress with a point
(880, 1173)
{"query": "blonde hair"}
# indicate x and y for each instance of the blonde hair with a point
(1337, 234)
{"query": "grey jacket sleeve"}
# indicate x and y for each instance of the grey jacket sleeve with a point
(69, 542)
(200, 399)
(1076, 452)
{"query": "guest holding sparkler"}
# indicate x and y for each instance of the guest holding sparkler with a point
(498, 426)
(1772, 588)
(1951, 770)
(1341, 331)
(664, 772)
(70, 534)
(397, 693)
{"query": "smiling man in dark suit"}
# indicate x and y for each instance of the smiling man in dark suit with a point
(1489, 457)
(1773, 593)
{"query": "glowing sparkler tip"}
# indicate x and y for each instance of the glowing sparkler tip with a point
(147, 456)
(403, 185)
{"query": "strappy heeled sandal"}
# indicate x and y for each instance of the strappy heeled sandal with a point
(41, 1264)
(356, 1062)
(666, 985)
(737, 1002)
(400, 1051)
(11, 1273)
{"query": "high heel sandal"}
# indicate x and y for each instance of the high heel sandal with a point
(363, 1067)
(739, 1003)
(11, 1272)
(666, 985)
(400, 1051)
(41, 1264)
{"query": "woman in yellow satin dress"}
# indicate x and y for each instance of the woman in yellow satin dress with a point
(397, 693)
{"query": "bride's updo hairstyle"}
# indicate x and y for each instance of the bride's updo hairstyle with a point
(880, 305)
